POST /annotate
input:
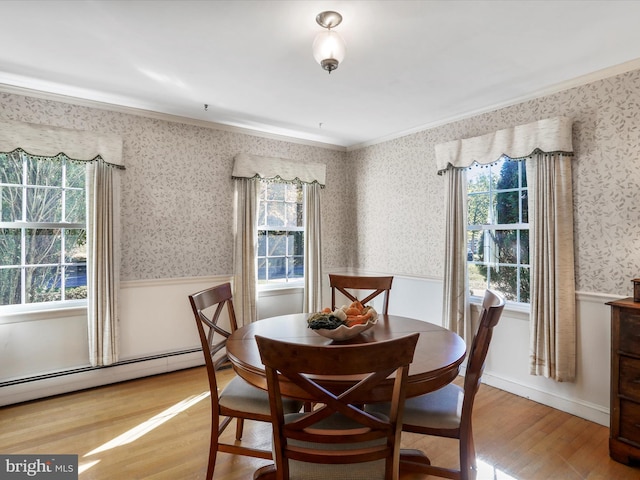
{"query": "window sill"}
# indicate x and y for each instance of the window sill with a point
(280, 289)
(32, 313)
(518, 311)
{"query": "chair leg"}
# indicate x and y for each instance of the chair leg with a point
(213, 451)
(239, 428)
(468, 467)
(268, 472)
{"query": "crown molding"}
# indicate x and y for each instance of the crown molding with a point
(558, 87)
(550, 90)
(112, 107)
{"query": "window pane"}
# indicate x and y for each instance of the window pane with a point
(300, 215)
(262, 243)
(277, 244)
(507, 174)
(505, 280)
(262, 215)
(276, 268)
(296, 267)
(44, 205)
(275, 214)
(478, 180)
(44, 172)
(75, 246)
(477, 280)
(525, 285)
(75, 207)
(10, 246)
(43, 284)
(75, 276)
(10, 291)
(262, 268)
(276, 191)
(11, 168)
(296, 243)
(294, 193)
(506, 243)
(524, 199)
(11, 198)
(524, 247)
(292, 215)
(75, 175)
(494, 175)
(507, 207)
(42, 246)
(478, 209)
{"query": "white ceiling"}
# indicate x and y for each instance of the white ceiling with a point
(409, 64)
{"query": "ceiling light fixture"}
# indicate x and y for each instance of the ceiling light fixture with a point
(328, 47)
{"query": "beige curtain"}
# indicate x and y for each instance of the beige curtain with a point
(103, 154)
(553, 319)
(244, 258)
(312, 250)
(103, 262)
(253, 168)
(456, 300)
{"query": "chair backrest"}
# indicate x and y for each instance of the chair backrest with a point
(345, 283)
(302, 439)
(492, 306)
(213, 337)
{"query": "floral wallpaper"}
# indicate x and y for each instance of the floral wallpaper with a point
(399, 177)
(177, 191)
(382, 209)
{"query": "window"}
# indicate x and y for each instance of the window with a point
(280, 233)
(498, 229)
(42, 229)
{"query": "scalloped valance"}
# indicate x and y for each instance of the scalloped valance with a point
(47, 141)
(280, 169)
(549, 136)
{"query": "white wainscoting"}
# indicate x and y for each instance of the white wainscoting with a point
(158, 335)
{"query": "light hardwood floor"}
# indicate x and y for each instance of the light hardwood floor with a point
(158, 428)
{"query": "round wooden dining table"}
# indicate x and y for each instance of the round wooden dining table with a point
(436, 361)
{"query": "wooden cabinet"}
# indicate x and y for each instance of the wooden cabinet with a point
(624, 436)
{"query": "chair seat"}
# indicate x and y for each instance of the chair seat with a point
(239, 395)
(441, 409)
(314, 471)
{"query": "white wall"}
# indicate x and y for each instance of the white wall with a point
(157, 335)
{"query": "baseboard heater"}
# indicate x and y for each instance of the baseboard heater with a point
(73, 371)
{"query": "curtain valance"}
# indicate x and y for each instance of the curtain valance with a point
(48, 141)
(282, 169)
(549, 135)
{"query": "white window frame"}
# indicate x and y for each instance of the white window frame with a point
(30, 311)
(491, 226)
(263, 227)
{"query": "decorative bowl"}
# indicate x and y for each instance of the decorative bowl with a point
(345, 333)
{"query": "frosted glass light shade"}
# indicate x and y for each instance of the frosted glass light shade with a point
(329, 49)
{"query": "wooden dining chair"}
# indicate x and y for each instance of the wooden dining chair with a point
(447, 412)
(238, 399)
(347, 284)
(337, 439)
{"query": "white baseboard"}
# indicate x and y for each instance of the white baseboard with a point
(70, 382)
(586, 410)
